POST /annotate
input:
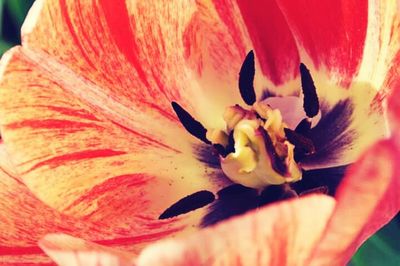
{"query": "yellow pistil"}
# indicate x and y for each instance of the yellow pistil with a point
(251, 164)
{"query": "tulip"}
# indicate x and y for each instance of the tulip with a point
(230, 132)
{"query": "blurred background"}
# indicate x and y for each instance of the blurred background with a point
(381, 249)
(12, 14)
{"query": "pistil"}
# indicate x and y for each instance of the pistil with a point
(262, 155)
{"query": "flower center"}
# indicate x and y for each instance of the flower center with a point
(261, 154)
(264, 151)
(257, 149)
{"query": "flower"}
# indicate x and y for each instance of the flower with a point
(92, 147)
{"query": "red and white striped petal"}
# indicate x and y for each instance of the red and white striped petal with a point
(89, 161)
(391, 85)
(145, 54)
(382, 43)
(26, 219)
(329, 34)
(394, 97)
(366, 199)
(100, 44)
(19, 234)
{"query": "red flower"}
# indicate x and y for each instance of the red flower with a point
(92, 147)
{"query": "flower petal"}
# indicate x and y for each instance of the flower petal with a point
(68, 250)
(366, 199)
(87, 114)
(21, 225)
(394, 97)
(382, 43)
(272, 39)
(80, 159)
(25, 220)
(88, 39)
(282, 234)
(332, 33)
(143, 53)
(392, 89)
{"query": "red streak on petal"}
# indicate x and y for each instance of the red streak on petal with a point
(392, 88)
(4, 250)
(377, 103)
(224, 9)
(64, 12)
(116, 182)
(117, 17)
(69, 112)
(83, 32)
(147, 138)
(36, 263)
(81, 155)
(53, 123)
(167, 114)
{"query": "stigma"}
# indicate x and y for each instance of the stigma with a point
(261, 154)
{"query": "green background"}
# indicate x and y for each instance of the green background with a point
(381, 249)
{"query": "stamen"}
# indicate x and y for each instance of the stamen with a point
(303, 127)
(275, 193)
(299, 141)
(232, 200)
(325, 177)
(188, 203)
(246, 79)
(271, 194)
(311, 103)
(193, 126)
(332, 135)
